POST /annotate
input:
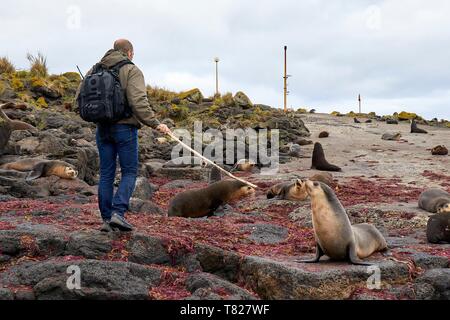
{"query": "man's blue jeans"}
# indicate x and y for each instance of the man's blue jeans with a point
(117, 140)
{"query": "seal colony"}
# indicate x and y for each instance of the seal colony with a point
(335, 236)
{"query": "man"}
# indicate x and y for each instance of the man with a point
(121, 140)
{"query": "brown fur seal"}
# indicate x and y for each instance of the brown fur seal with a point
(319, 162)
(435, 200)
(324, 134)
(438, 228)
(245, 165)
(203, 202)
(355, 120)
(391, 136)
(335, 236)
(415, 128)
(7, 126)
(42, 168)
(293, 191)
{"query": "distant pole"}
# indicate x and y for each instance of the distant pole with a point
(285, 78)
(216, 60)
(359, 100)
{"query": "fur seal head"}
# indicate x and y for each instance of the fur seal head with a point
(444, 208)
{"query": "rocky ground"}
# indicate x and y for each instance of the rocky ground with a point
(248, 250)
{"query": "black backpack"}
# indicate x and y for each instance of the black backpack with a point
(101, 99)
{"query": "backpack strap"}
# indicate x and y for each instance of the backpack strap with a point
(119, 65)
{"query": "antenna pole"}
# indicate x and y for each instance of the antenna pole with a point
(285, 78)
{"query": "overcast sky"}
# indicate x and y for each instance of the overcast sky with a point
(395, 53)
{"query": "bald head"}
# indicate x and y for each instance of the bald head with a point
(124, 46)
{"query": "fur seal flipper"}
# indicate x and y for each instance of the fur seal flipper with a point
(319, 162)
(335, 236)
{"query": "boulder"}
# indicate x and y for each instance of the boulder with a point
(104, 280)
(89, 244)
(193, 95)
(242, 100)
(225, 289)
(144, 189)
(433, 285)
(147, 250)
(267, 233)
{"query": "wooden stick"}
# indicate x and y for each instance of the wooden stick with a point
(210, 162)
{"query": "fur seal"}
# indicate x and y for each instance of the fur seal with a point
(391, 136)
(42, 168)
(369, 121)
(435, 200)
(203, 202)
(184, 162)
(335, 236)
(415, 128)
(439, 151)
(438, 228)
(356, 120)
(324, 134)
(293, 191)
(245, 165)
(319, 162)
(7, 126)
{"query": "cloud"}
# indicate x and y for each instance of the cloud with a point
(392, 52)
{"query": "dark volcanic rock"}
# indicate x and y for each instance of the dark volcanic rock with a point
(99, 279)
(147, 250)
(6, 294)
(276, 280)
(434, 285)
(222, 263)
(148, 207)
(268, 233)
(144, 189)
(92, 244)
(208, 281)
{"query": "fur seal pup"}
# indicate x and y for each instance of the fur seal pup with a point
(435, 200)
(184, 162)
(293, 191)
(415, 128)
(335, 236)
(215, 175)
(42, 168)
(245, 165)
(438, 228)
(203, 202)
(391, 136)
(324, 134)
(303, 142)
(319, 162)
(439, 151)
(7, 126)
